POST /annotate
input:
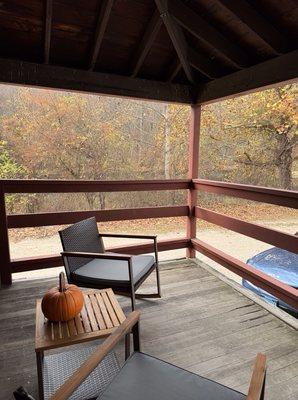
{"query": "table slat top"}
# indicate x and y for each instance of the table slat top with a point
(100, 315)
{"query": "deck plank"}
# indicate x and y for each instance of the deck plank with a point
(200, 323)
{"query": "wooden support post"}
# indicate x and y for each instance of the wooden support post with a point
(5, 272)
(193, 153)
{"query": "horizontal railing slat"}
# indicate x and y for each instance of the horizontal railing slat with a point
(69, 217)
(256, 277)
(267, 195)
(280, 197)
(71, 186)
(276, 238)
(55, 260)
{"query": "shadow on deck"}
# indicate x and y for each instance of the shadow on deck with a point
(201, 324)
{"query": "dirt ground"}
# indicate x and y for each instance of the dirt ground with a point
(46, 240)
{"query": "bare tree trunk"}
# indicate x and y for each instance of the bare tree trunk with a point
(92, 200)
(102, 201)
(33, 203)
(90, 197)
(285, 162)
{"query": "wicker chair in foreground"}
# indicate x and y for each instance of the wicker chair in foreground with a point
(143, 377)
(87, 264)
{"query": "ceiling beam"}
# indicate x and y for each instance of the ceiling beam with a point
(279, 70)
(146, 42)
(202, 30)
(56, 77)
(101, 26)
(48, 29)
(257, 23)
(173, 70)
(177, 38)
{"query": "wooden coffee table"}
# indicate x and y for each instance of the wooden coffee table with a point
(99, 317)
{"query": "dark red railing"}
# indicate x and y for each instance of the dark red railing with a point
(9, 265)
(191, 211)
(286, 198)
(280, 197)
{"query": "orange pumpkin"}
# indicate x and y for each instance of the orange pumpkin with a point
(62, 303)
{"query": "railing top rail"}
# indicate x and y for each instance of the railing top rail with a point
(45, 185)
(250, 188)
(87, 181)
(66, 186)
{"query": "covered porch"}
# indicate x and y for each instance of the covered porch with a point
(173, 52)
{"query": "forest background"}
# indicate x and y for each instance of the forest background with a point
(48, 134)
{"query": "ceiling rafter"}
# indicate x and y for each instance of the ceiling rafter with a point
(257, 23)
(174, 68)
(101, 26)
(146, 42)
(177, 38)
(48, 29)
(202, 30)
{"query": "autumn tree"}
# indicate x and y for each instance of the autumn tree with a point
(9, 169)
(252, 139)
(58, 135)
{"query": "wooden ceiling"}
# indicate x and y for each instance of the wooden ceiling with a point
(191, 50)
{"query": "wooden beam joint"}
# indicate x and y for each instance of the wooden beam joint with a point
(177, 38)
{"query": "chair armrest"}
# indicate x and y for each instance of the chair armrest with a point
(257, 382)
(128, 236)
(105, 256)
(96, 357)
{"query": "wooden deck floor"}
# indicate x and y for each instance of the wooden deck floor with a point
(200, 323)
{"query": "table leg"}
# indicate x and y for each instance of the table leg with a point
(127, 346)
(39, 362)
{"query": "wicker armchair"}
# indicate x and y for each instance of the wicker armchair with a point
(87, 264)
(148, 378)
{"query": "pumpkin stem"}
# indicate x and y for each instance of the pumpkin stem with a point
(62, 287)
